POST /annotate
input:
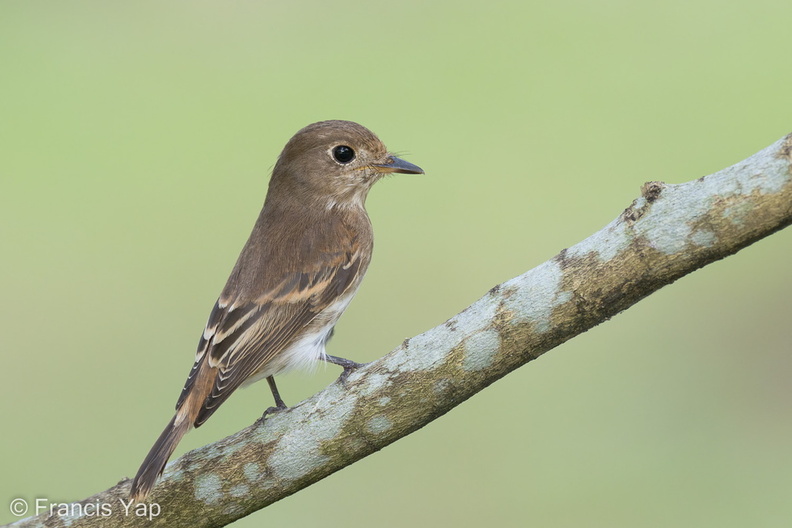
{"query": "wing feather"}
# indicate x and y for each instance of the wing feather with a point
(245, 338)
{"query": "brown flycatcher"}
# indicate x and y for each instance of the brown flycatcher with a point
(297, 273)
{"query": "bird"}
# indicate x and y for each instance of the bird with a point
(303, 262)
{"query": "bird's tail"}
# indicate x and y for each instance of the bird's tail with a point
(155, 461)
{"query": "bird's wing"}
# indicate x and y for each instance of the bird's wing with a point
(240, 339)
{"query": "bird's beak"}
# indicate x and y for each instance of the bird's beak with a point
(399, 165)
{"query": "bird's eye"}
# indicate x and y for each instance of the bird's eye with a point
(343, 154)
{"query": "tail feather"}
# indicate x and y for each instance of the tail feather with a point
(155, 461)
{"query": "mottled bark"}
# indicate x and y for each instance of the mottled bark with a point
(667, 232)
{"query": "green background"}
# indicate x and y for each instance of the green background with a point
(135, 146)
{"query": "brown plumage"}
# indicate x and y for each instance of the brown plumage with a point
(302, 264)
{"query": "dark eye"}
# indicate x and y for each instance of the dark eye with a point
(343, 154)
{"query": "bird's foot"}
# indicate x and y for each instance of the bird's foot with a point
(280, 407)
(348, 365)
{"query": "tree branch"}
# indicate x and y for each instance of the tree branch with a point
(668, 232)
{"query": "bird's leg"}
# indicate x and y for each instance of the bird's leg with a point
(279, 404)
(347, 364)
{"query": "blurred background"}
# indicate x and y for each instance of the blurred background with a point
(136, 141)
